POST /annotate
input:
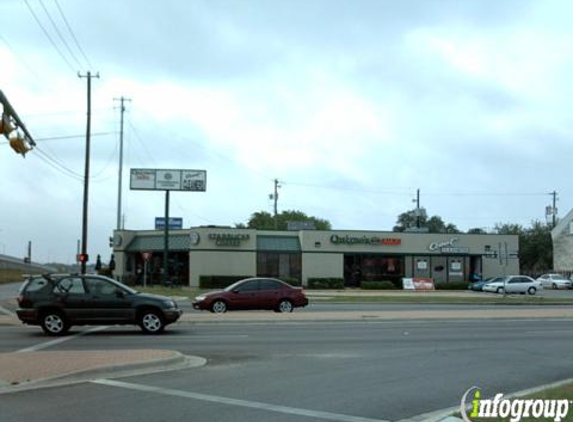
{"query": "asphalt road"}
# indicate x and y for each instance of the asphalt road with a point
(304, 371)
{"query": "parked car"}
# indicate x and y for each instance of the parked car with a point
(478, 285)
(514, 284)
(253, 293)
(58, 301)
(555, 281)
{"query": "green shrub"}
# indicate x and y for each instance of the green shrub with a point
(325, 283)
(219, 281)
(378, 285)
(291, 281)
(452, 285)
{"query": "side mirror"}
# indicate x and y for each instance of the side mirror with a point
(119, 293)
(236, 291)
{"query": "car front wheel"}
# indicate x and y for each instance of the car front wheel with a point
(554, 286)
(531, 290)
(499, 290)
(219, 307)
(285, 305)
(54, 323)
(151, 322)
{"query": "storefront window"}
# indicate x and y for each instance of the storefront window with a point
(279, 265)
(362, 267)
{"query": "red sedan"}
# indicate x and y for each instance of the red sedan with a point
(253, 293)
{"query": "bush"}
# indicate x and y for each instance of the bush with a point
(292, 281)
(325, 283)
(452, 285)
(378, 285)
(219, 281)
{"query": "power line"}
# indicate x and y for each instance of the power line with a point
(48, 36)
(72, 34)
(59, 34)
(19, 57)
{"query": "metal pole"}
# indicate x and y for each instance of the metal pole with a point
(166, 240)
(276, 198)
(145, 273)
(120, 174)
(120, 167)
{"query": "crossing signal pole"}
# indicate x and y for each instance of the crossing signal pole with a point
(84, 254)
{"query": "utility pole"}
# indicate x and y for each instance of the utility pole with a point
(120, 174)
(84, 253)
(554, 209)
(418, 208)
(275, 197)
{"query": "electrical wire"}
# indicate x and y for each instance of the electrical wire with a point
(19, 57)
(48, 36)
(62, 39)
(73, 35)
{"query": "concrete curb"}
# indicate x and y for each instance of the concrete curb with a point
(176, 361)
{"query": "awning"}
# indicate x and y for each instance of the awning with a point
(156, 243)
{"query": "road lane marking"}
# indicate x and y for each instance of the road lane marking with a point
(6, 311)
(51, 343)
(237, 402)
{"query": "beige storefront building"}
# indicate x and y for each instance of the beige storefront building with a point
(354, 256)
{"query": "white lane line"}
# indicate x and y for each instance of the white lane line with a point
(6, 311)
(50, 343)
(236, 402)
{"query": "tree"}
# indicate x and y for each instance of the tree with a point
(477, 230)
(419, 218)
(263, 220)
(507, 228)
(535, 246)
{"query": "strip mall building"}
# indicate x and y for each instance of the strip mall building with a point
(355, 256)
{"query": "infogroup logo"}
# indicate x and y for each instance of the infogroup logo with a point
(515, 409)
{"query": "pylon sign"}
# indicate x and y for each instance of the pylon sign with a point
(172, 180)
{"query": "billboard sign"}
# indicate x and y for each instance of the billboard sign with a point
(176, 180)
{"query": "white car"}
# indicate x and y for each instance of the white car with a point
(555, 281)
(514, 284)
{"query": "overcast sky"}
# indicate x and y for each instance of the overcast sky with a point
(352, 105)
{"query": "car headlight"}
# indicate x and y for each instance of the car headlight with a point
(200, 298)
(169, 304)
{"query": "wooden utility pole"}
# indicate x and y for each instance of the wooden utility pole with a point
(84, 253)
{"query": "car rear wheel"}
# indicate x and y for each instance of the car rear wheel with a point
(531, 290)
(285, 305)
(219, 307)
(54, 323)
(151, 322)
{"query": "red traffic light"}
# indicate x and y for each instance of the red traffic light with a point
(82, 257)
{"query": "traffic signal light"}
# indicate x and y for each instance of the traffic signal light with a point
(111, 241)
(19, 144)
(13, 128)
(6, 126)
(82, 257)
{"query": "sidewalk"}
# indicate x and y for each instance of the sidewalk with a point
(24, 370)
